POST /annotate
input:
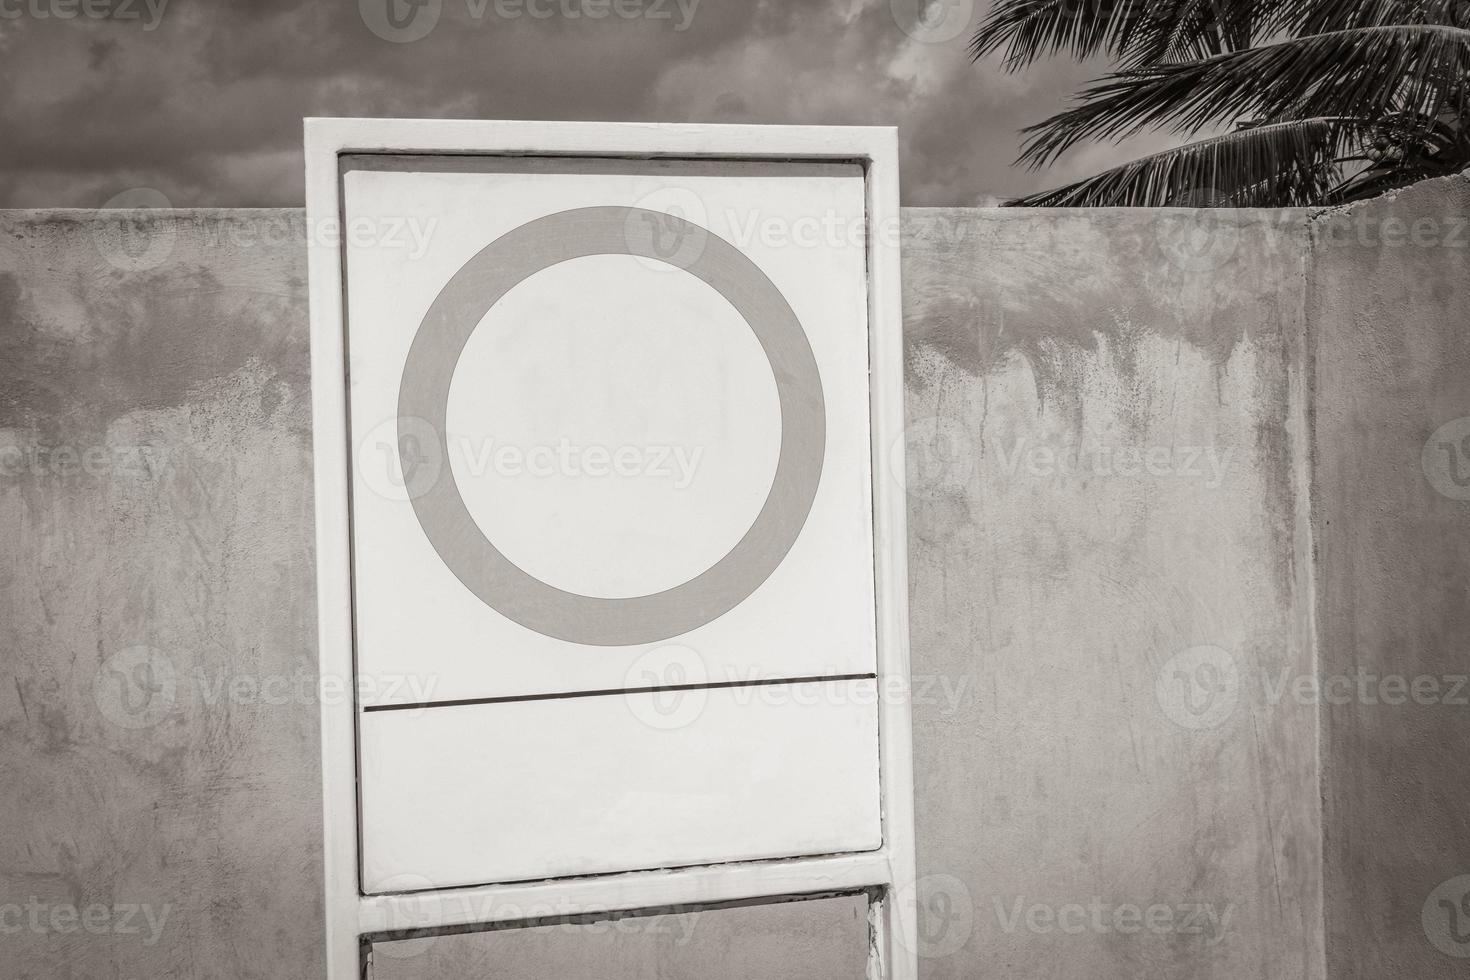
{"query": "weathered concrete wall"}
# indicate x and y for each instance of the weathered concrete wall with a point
(1113, 606)
(157, 726)
(1389, 304)
(1109, 541)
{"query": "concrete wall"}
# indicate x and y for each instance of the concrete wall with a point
(1109, 542)
(1113, 596)
(1389, 304)
(155, 506)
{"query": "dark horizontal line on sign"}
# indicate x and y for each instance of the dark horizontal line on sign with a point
(618, 166)
(614, 691)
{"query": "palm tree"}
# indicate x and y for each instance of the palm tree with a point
(1330, 100)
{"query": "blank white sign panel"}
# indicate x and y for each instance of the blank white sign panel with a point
(611, 455)
(581, 786)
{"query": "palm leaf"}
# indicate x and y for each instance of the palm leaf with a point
(1135, 32)
(1280, 163)
(1364, 72)
(1302, 17)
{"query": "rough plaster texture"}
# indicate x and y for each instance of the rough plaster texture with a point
(1389, 303)
(1105, 415)
(155, 440)
(1079, 757)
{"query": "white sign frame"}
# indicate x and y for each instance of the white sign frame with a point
(887, 873)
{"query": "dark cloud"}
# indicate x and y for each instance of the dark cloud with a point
(203, 100)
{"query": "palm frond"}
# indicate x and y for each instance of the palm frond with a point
(1270, 165)
(1033, 29)
(1134, 32)
(1304, 17)
(1365, 72)
(1371, 183)
(1203, 29)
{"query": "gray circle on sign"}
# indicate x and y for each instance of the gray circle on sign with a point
(462, 545)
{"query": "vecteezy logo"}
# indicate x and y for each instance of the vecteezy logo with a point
(408, 922)
(1202, 238)
(665, 687)
(130, 233)
(135, 688)
(1198, 688)
(671, 221)
(1445, 459)
(400, 459)
(1446, 917)
(667, 235)
(945, 914)
(400, 21)
(935, 457)
(932, 21)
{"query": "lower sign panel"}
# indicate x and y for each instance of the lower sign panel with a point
(817, 939)
(485, 793)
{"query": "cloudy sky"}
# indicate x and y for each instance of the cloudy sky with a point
(203, 99)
